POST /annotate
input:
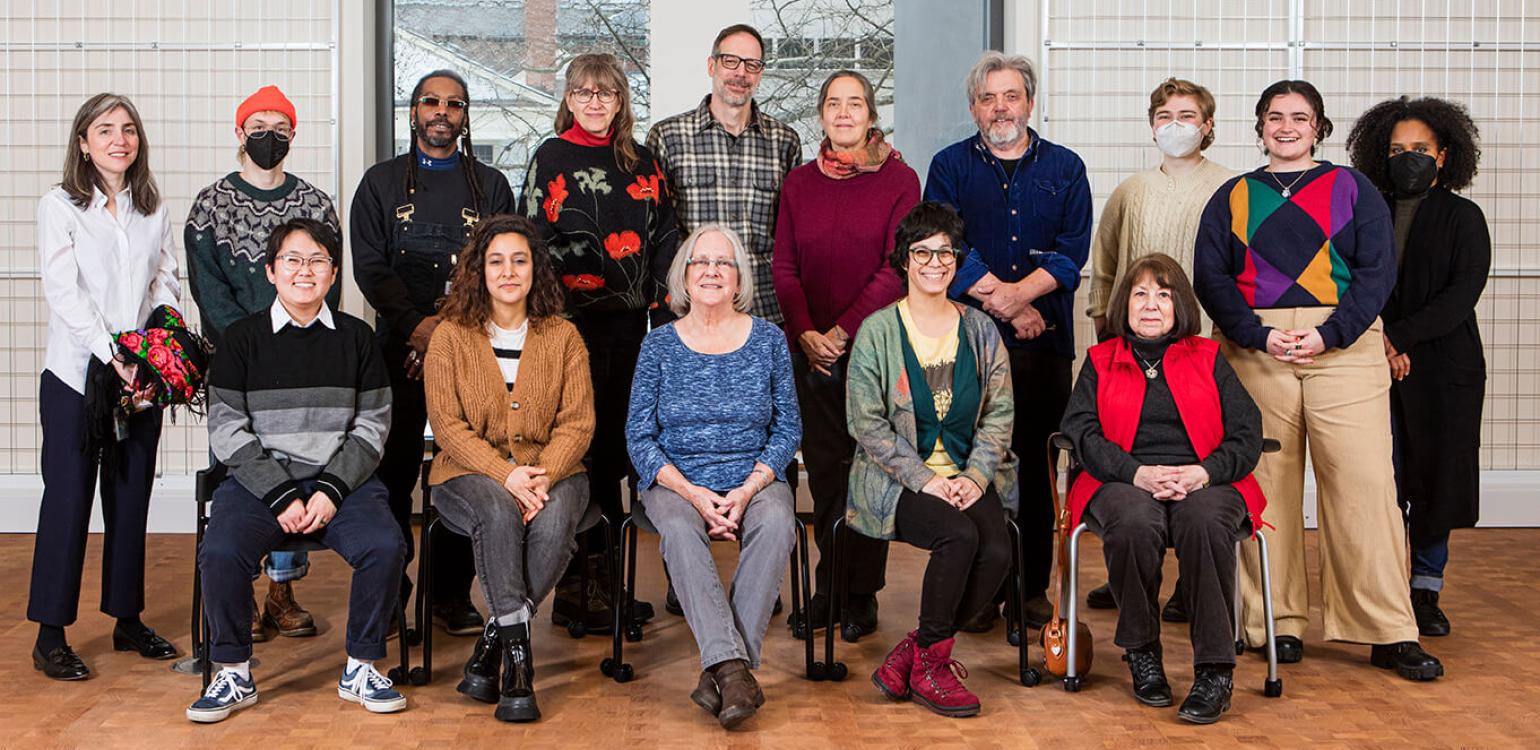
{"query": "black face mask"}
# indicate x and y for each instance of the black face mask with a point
(266, 149)
(1412, 173)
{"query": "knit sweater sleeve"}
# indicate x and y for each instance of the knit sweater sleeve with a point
(642, 428)
(785, 267)
(364, 443)
(562, 455)
(452, 430)
(1241, 448)
(1372, 264)
(785, 418)
(329, 218)
(211, 289)
(663, 241)
(1106, 248)
(884, 286)
(231, 437)
(1218, 259)
(1082, 424)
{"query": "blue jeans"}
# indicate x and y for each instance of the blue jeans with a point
(1428, 560)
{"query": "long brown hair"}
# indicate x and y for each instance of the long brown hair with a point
(603, 70)
(80, 175)
(470, 304)
(1168, 274)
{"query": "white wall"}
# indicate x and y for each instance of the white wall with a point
(682, 32)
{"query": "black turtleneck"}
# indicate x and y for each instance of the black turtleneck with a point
(1162, 439)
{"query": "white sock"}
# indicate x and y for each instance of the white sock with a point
(515, 617)
(354, 664)
(243, 669)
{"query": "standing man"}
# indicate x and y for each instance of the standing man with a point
(1027, 209)
(226, 240)
(411, 215)
(726, 159)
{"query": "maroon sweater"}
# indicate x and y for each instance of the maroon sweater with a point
(832, 240)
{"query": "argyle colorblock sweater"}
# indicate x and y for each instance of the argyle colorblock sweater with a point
(299, 404)
(1329, 244)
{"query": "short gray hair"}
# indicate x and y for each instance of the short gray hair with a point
(993, 61)
(679, 292)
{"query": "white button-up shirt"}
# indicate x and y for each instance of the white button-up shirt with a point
(281, 317)
(102, 274)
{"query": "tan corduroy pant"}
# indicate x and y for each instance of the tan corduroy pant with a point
(1338, 407)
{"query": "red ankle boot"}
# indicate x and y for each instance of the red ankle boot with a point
(936, 681)
(892, 678)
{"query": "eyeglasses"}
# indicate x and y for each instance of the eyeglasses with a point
(731, 62)
(945, 256)
(584, 96)
(719, 264)
(282, 134)
(432, 102)
(318, 264)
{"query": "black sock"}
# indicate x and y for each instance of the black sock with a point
(131, 625)
(50, 637)
(516, 632)
(1220, 668)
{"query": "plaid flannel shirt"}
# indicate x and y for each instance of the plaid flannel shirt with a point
(733, 180)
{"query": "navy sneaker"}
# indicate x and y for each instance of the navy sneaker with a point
(367, 687)
(228, 692)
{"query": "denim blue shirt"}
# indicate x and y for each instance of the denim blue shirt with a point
(1040, 217)
(713, 416)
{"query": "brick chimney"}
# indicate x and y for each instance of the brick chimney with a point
(540, 44)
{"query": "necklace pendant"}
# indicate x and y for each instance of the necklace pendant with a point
(1151, 373)
(1285, 192)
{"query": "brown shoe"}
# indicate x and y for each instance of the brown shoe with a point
(740, 693)
(284, 614)
(259, 631)
(706, 695)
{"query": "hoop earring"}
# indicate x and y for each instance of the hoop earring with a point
(86, 155)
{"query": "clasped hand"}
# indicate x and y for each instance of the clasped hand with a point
(1299, 346)
(307, 516)
(1171, 482)
(530, 488)
(722, 513)
(1400, 364)
(1011, 303)
(959, 492)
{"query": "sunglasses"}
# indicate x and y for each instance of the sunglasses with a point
(432, 102)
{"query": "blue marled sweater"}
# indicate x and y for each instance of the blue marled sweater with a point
(713, 415)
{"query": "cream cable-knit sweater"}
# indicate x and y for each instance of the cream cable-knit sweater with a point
(1149, 213)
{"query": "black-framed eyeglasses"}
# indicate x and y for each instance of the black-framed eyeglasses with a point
(720, 264)
(318, 264)
(584, 96)
(945, 256)
(432, 102)
(282, 134)
(731, 62)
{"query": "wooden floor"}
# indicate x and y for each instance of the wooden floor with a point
(1333, 699)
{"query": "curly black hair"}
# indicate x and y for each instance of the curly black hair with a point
(1369, 144)
(926, 219)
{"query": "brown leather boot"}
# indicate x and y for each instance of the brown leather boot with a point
(284, 614)
(706, 695)
(259, 631)
(741, 696)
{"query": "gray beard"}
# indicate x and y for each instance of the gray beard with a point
(1001, 141)
(438, 142)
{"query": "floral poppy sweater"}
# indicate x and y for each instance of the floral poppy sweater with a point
(610, 231)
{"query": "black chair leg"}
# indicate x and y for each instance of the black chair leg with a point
(1029, 675)
(834, 670)
(615, 666)
(425, 596)
(800, 599)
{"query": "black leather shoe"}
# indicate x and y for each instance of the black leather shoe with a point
(517, 697)
(1173, 611)
(1408, 659)
(60, 664)
(144, 640)
(1037, 612)
(860, 618)
(982, 621)
(458, 617)
(819, 614)
(480, 680)
(671, 603)
(1149, 674)
(1101, 598)
(1291, 650)
(1209, 698)
(1430, 619)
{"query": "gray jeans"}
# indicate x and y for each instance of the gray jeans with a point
(518, 565)
(726, 630)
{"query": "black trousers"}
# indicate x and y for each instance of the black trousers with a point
(242, 529)
(1135, 529)
(827, 449)
(69, 488)
(454, 565)
(970, 555)
(614, 341)
(1040, 384)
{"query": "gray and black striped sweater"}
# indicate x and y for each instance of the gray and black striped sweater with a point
(300, 404)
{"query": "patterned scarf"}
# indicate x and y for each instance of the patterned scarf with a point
(842, 165)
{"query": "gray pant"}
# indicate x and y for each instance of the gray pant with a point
(723, 630)
(1135, 529)
(518, 565)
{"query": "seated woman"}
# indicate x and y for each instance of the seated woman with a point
(712, 426)
(299, 405)
(512, 409)
(1167, 437)
(929, 404)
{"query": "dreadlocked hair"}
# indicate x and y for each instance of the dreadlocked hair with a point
(467, 152)
(1369, 144)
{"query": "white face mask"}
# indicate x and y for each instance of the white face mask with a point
(1177, 139)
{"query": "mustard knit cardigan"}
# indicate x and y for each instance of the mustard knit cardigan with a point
(479, 424)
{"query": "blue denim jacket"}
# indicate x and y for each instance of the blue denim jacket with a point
(1038, 218)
